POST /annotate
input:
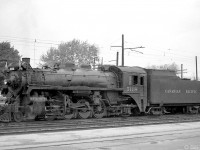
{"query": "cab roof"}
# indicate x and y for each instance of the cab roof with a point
(134, 69)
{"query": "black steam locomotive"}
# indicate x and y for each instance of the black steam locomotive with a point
(66, 92)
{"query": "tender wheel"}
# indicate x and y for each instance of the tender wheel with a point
(85, 110)
(18, 116)
(70, 113)
(100, 110)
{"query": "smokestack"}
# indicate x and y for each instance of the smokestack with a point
(27, 60)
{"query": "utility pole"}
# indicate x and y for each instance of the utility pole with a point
(122, 50)
(181, 71)
(196, 68)
(117, 58)
(34, 53)
(127, 48)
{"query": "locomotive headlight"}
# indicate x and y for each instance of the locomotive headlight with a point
(5, 82)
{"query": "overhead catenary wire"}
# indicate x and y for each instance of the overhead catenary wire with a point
(29, 39)
(172, 56)
(42, 43)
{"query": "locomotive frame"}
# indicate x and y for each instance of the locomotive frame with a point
(66, 92)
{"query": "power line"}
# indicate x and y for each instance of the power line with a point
(158, 57)
(31, 45)
(30, 39)
(24, 41)
(162, 52)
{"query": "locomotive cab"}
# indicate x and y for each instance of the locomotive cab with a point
(135, 86)
(133, 82)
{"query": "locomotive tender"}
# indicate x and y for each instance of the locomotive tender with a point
(66, 92)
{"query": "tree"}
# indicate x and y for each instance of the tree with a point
(7, 54)
(75, 51)
(172, 66)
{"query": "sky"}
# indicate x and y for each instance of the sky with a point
(168, 29)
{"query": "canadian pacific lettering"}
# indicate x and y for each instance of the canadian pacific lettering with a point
(191, 91)
(172, 91)
(179, 91)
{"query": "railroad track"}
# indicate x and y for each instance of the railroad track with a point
(80, 124)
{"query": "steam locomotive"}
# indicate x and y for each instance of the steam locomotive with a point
(66, 92)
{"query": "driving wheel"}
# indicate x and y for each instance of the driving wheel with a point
(84, 112)
(18, 116)
(99, 111)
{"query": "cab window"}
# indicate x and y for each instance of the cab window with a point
(141, 80)
(135, 80)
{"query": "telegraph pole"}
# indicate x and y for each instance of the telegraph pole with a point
(196, 68)
(117, 58)
(122, 50)
(181, 71)
(132, 49)
(34, 53)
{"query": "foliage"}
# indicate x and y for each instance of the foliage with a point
(7, 54)
(172, 66)
(75, 51)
